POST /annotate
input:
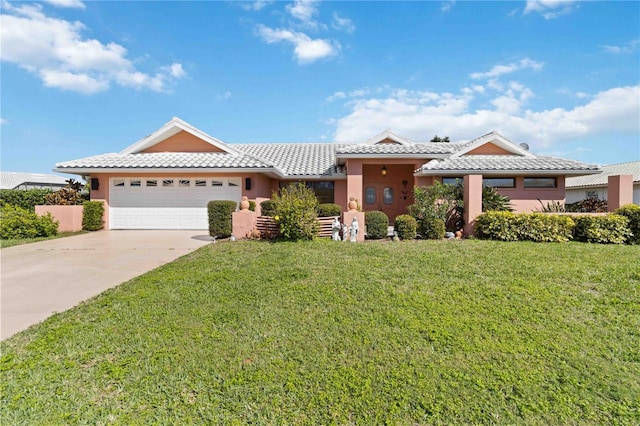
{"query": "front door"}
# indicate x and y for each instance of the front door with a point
(382, 197)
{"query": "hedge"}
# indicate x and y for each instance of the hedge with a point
(406, 226)
(377, 225)
(631, 212)
(329, 209)
(432, 228)
(24, 198)
(220, 217)
(92, 213)
(609, 229)
(538, 227)
(16, 223)
(267, 208)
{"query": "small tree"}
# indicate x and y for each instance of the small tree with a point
(296, 208)
(70, 195)
(437, 201)
(437, 139)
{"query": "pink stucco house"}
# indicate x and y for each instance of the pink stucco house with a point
(165, 180)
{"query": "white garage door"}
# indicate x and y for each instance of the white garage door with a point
(167, 203)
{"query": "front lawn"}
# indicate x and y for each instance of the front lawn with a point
(20, 241)
(326, 332)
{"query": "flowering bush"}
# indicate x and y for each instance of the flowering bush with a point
(296, 209)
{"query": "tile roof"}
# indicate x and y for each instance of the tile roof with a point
(397, 149)
(168, 160)
(631, 168)
(297, 159)
(498, 163)
(11, 180)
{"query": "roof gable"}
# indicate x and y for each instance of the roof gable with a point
(493, 144)
(183, 142)
(388, 137)
(165, 138)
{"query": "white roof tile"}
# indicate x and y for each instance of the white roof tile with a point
(631, 168)
(506, 163)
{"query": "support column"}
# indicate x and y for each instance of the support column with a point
(619, 191)
(472, 202)
(354, 180)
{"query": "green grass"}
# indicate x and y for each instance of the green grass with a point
(443, 332)
(20, 241)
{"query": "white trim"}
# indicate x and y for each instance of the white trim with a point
(172, 128)
(387, 134)
(498, 140)
(523, 172)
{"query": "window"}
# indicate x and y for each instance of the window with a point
(118, 182)
(499, 182)
(152, 183)
(387, 195)
(323, 190)
(370, 195)
(201, 182)
(451, 180)
(216, 183)
(167, 182)
(233, 182)
(592, 194)
(184, 183)
(549, 182)
(135, 183)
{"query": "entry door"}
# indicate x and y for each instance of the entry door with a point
(382, 197)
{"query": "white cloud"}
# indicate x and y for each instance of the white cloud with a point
(75, 4)
(55, 50)
(550, 9)
(3, 121)
(256, 5)
(499, 70)
(342, 23)
(335, 96)
(417, 115)
(304, 10)
(223, 96)
(629, 47)
(306, 49)
(447, 5)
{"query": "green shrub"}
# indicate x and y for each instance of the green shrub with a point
(252, 205)
(502, 226)
(438, 201)
(376, 224)
(329, 209)
(588, 205)
(220, 223)
(492, 201)
(26, 199)
(432, 228)
(632, 212)
(609, 229)
(538, 227)
(296, 209)
(267, 208)
(16, 222)
(92, 213)
(406, 226)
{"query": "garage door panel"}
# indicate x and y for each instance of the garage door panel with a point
(166, 207)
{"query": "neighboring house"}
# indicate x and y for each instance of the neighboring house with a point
(165, 180)
(595, 186)
(16, 180)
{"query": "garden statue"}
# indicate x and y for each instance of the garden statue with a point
(335, 229)
(354, 229)
(345, 232)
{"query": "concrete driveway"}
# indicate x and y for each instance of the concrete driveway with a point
(39, 279)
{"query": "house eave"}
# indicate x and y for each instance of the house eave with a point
(167, 170)
(519, 172)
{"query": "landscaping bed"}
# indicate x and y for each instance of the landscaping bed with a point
(321, 332)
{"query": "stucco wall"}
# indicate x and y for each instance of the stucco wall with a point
(69, 217)
(525, 200)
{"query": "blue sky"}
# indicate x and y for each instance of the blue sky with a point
(85, 78)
